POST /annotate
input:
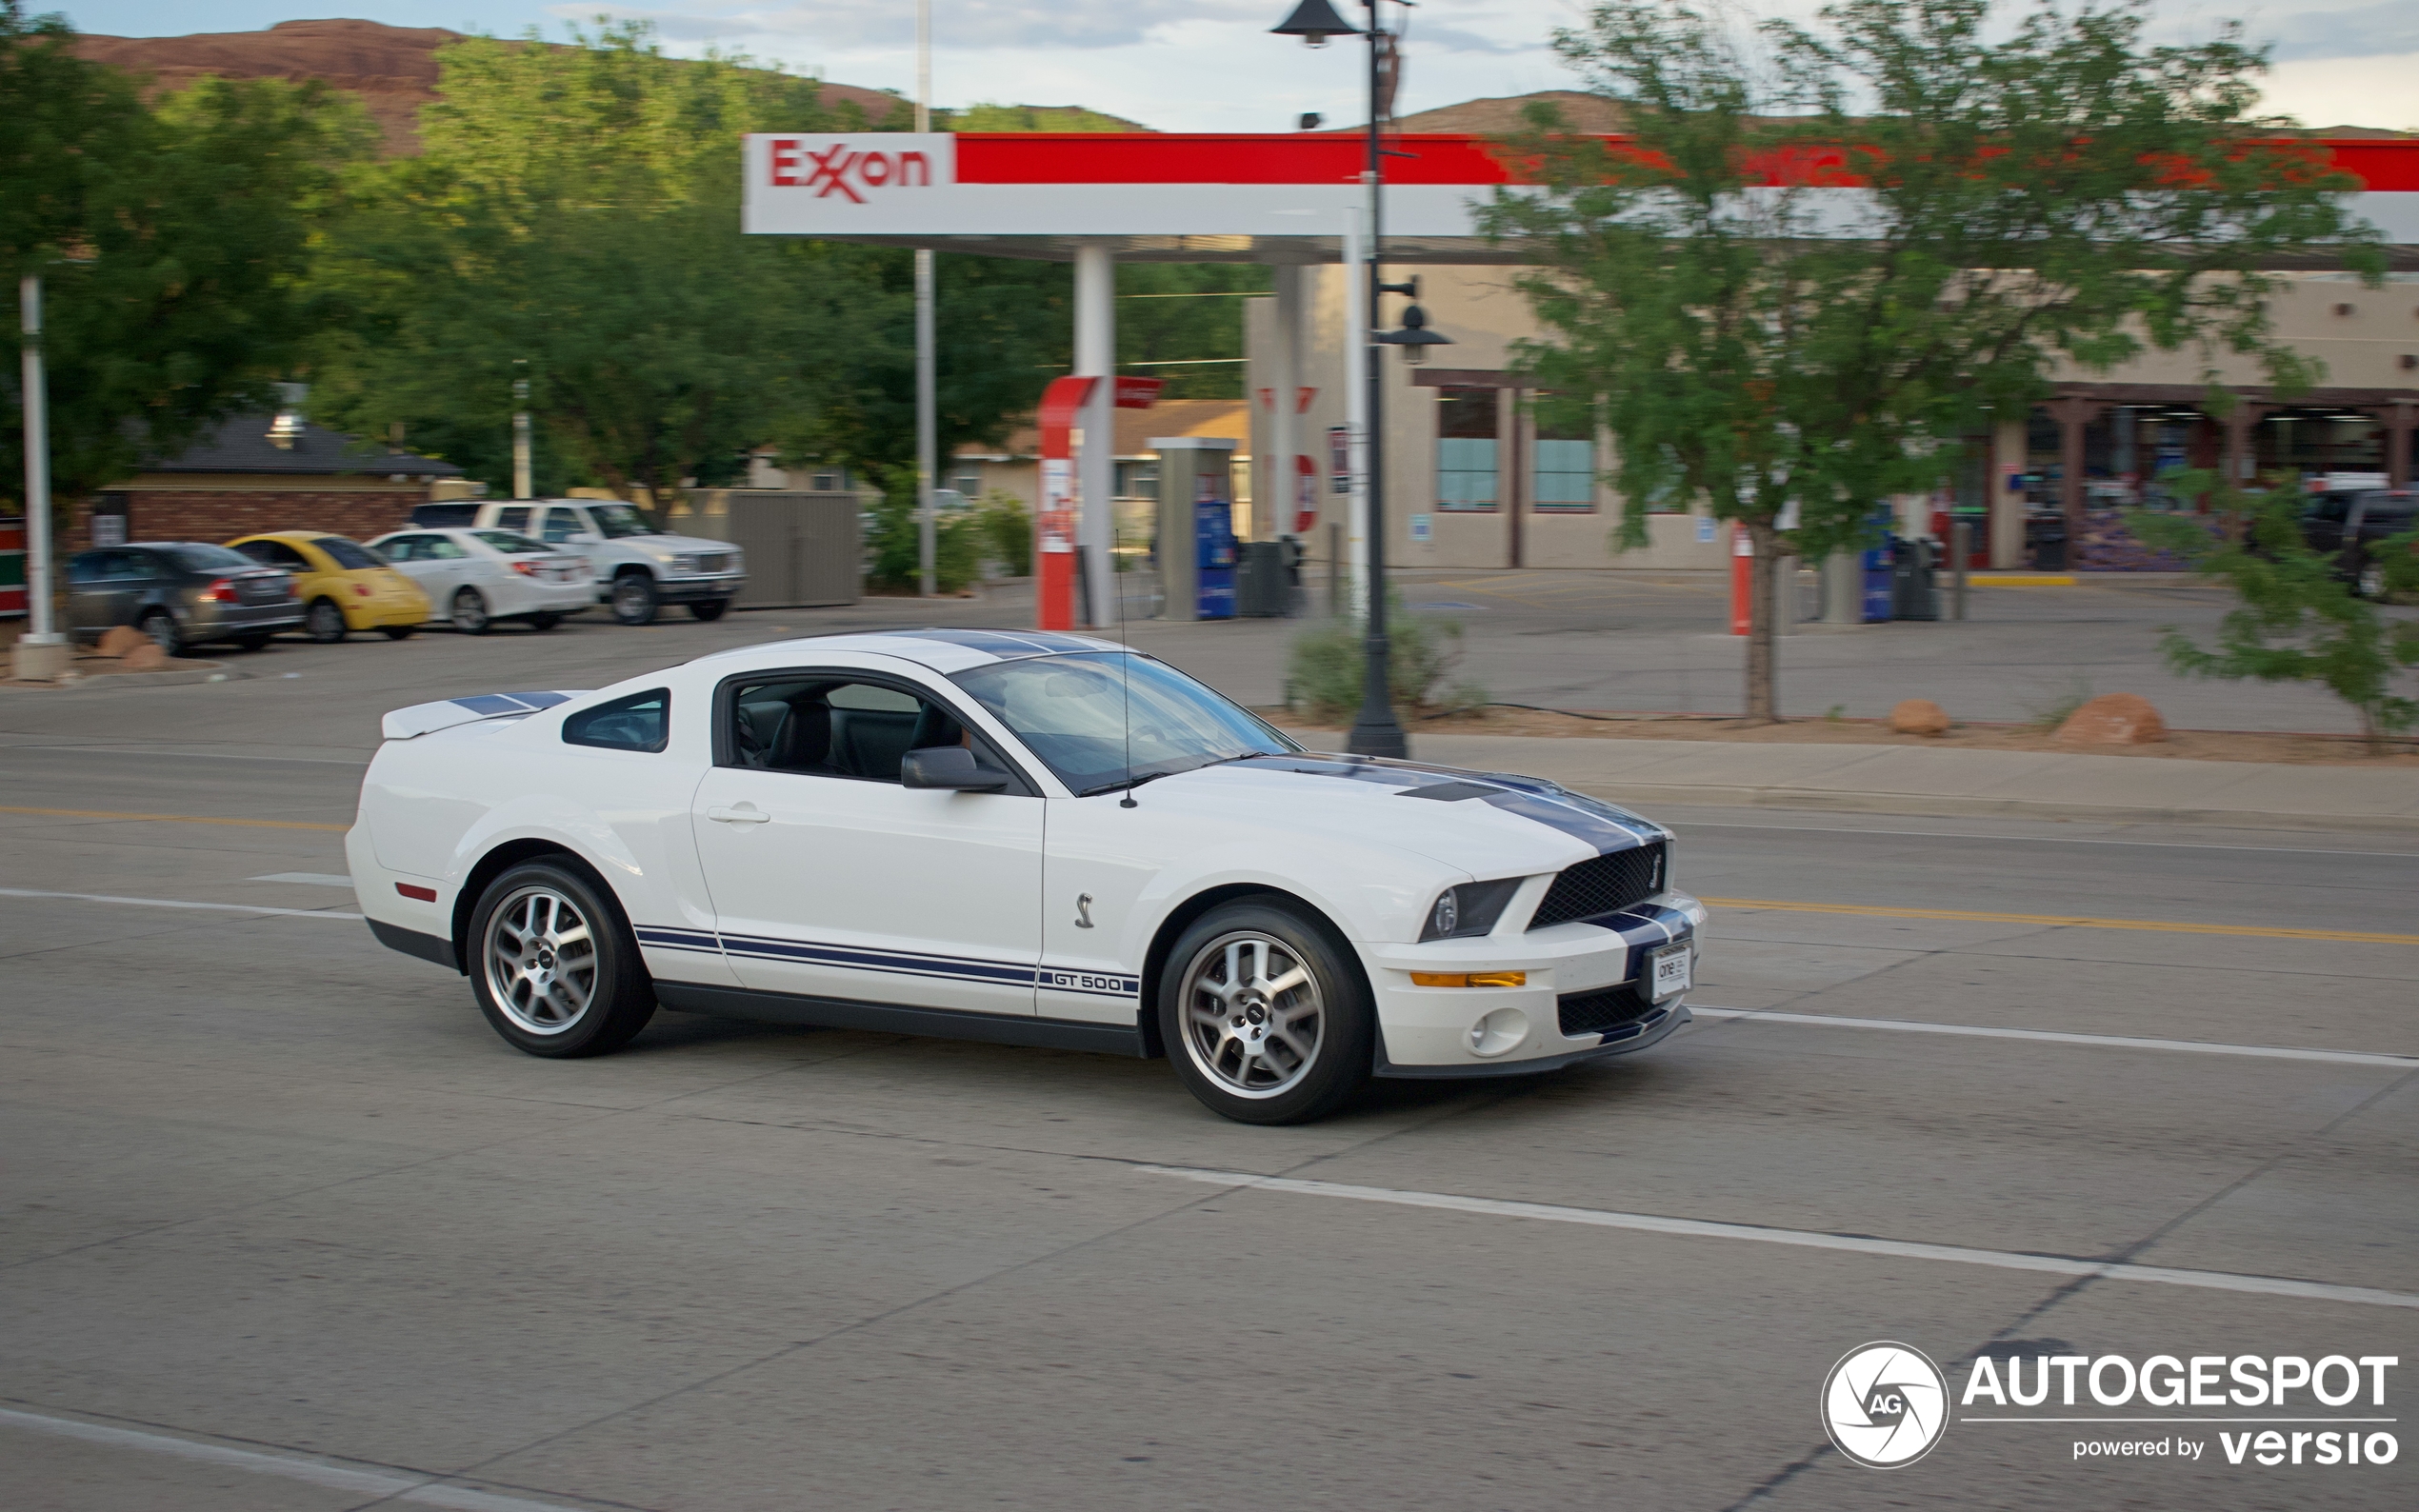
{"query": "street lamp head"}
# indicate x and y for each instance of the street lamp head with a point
(1414, 338)
(1315, 21)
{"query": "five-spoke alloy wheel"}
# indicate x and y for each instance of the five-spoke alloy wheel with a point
(1264, 1015)
(555, 969)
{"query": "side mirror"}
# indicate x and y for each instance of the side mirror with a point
(950, 766)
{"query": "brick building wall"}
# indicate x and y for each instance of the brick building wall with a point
(222, 515)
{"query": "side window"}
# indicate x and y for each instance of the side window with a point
(441, 548)
(401, 548)
(277, 554)
(641, 721)
(137, 565)
(515, 519)
(824, 727)
(89, 566)
(2332, 508)
(561, 524)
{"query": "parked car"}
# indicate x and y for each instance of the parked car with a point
(2347, 525)
(474, 578)
(638, 567)
(343, 585)
(181, 594)
(1015, 836)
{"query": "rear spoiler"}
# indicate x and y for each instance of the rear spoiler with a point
(424, 719)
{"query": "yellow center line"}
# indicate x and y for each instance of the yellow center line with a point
(2069, 920)
(174, 819)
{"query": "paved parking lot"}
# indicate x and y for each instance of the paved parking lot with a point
(289, 1227)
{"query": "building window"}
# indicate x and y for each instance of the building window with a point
(1137, 480)
(1465, 432)
(969, 483)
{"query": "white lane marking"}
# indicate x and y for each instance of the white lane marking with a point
(2104, 1042)
(179, 903)
(190, 755)
(422, 1490)
(2044, 840)
(1698, 1228)
(308, 879)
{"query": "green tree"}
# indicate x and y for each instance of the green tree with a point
(1171, 316)
(990, 117)
(2296, 621)
(171, 242)
(1754, 338)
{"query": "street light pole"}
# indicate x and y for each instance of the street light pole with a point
(927, 403)
(42, 653)
(1376, 732)
(522, 485)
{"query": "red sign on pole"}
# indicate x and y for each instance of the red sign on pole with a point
(1138, 393)
(1055, 521)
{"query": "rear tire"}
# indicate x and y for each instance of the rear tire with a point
(324, 622)
(161, 628)
(554, 963)
(545, 621)
(256, 641)
(708, 609)
(469, 612)
(634, 599)
(1290, 1055)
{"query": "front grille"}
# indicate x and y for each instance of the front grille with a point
(1594, 1012)
(1622, 879)
(713, 562)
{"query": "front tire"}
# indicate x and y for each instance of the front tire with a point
(1264, 1014)
(398, 633)
(545, 621)
(256, 641)
(708, 609)
(469, 612)
(634, 599)
(324, 622)
(554, 967)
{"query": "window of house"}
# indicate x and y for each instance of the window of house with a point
(1465, 442)
(1563, 463)
(969, 483)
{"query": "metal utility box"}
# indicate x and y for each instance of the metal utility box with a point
(803, 550)
(1196, 528)
(1264, 579)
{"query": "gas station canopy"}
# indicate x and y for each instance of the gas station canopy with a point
(1281, 198)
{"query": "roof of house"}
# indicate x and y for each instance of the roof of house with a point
(1169, 417)
(242, 445)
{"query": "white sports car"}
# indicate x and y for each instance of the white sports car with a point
(1023, 836)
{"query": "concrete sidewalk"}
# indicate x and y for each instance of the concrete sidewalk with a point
(1896, 780)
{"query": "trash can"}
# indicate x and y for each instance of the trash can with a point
(1261, 580)
(2045, 541)
(1912, 595)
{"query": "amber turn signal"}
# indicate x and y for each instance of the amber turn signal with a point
(1469, 979)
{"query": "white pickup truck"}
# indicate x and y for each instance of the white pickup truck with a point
(638, 567)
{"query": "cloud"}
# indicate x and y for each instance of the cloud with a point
(861, 24)
(2364, 31)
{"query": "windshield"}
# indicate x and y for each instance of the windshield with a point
(619, 520)
(1100, 720)
(349, 555)
(511, 545)
(198, 558)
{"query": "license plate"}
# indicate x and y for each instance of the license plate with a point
(1667, 973)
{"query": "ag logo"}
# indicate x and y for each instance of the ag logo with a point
(1885, 1404)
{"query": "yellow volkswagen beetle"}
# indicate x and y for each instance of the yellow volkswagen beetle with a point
(343, 585)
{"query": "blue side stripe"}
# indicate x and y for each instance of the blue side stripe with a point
(895, 962)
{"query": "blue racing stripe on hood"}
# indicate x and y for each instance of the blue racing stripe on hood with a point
(1591, 821)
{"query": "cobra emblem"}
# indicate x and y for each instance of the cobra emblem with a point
(1084, 911)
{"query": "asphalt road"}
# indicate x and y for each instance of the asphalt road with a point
(289, 1228)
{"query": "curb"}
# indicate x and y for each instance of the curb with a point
(207, 672)
(1943, 806)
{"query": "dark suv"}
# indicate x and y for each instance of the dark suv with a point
(2349, 524)
(180, 593)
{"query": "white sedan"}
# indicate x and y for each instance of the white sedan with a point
(474, 578)
(1015, 836)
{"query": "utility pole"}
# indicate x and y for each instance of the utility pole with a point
(42, 653)
(522, 488)
(1376, 732)
(928, 443)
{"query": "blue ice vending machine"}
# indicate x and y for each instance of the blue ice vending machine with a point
(1213, 549)
(1880, 570)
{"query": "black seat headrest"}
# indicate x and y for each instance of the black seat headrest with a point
(804, 739)
(934, 727)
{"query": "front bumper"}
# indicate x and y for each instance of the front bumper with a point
(1428, 1031)
(689, 589)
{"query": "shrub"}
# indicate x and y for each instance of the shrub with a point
(893, 547)
(1006, 529)
(1326, 670)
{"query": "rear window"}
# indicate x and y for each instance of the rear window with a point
(350, 555)
(640, 722)
(506, 542)
(196, 557)
(444, 516)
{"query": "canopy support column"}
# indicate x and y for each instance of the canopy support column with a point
(1275, 513)
(1097, 452)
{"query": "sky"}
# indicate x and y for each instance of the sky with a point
(1210, 66)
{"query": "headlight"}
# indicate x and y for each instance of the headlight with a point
(1468, 909)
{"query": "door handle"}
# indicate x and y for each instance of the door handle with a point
(743, 814)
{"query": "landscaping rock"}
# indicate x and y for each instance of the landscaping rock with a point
(119, 639)
(2113, 719)
(1919, 716)
(146, 657)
